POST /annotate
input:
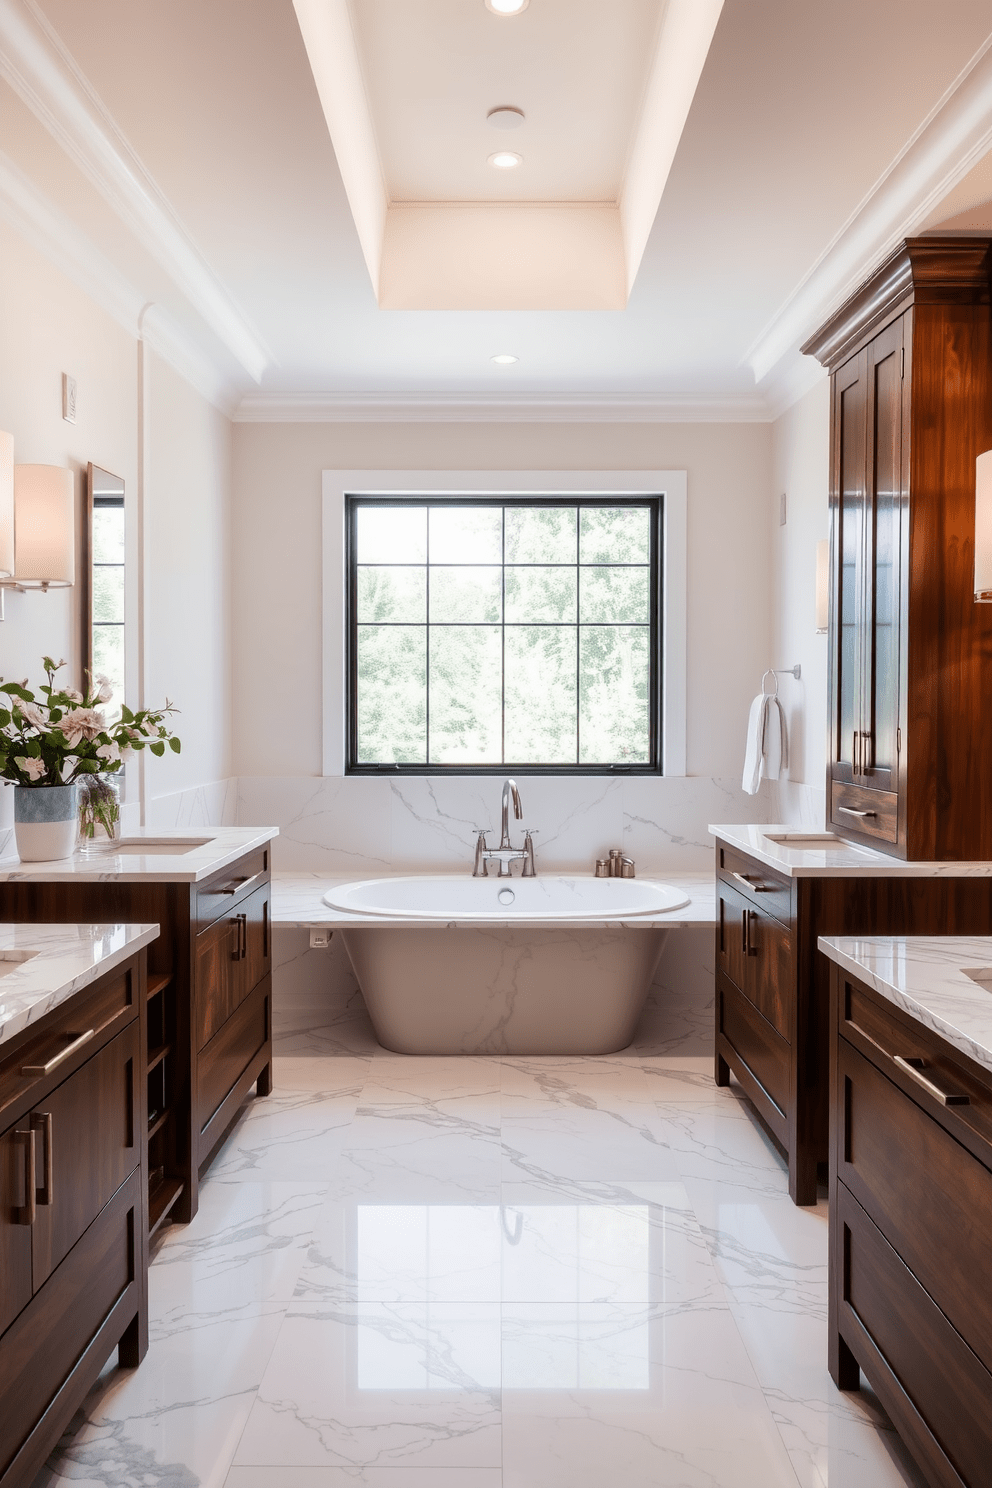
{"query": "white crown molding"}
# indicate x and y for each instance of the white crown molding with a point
(36, 65)
(949, 142)
(57, 238)
(486, 408)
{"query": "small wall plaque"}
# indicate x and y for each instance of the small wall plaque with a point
(68, 398)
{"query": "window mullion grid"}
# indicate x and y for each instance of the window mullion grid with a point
(502, 639)
(427, 650)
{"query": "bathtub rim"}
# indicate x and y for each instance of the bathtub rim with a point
(653, 918)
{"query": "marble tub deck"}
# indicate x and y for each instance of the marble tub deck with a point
(488, 1273)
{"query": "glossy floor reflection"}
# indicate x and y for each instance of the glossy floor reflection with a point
(484, 1273)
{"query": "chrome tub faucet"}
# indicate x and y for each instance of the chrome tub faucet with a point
(505, 855)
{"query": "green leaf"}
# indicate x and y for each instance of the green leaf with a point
(175, 745)
(157, 748)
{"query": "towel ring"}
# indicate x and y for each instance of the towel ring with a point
(776, 672)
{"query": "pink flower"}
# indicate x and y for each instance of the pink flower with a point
(34, 769)
(34, 715)
(80, 723)
(106, 691)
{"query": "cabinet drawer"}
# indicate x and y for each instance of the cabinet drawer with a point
(930, 1197)
(101, 1010)
(229, 1053)
(765, 1052)
(218, 895)
(874, 813)
(88, 1140)
(938, 1391)
(767, 891)
(39, 1349)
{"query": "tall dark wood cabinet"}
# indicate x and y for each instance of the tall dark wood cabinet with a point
(73, 1211)
(909, 766)
(209, 1004)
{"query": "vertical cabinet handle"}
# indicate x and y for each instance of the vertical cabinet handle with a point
(26, 1215)
(41, 1121)
(744, 947)
(244, 937)
(752, 949)
(236, 953)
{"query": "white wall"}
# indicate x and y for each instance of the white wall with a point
(801, 469)
(360, 822)
(48, 326)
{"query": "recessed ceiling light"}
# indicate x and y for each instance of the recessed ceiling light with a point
(505, 118)
(504, 359)
(507, 7)
(505, 160)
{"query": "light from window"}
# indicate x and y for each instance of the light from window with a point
(497, 632)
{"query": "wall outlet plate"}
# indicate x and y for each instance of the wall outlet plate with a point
(68, 398)
(320, 939)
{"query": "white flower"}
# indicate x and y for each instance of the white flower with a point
(33, 768)
(106, 691)
(68, 766)
(80, 723)
(73, 695)
(110, 752)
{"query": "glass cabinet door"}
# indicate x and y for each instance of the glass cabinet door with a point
(881, 713)
(849, 548)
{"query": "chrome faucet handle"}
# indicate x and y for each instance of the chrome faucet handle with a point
(481, 867)
(529, 868)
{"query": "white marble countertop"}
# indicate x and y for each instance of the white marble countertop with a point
(218, 847)
(833, 859)
(925, 976)
(297, 900)
(60, 961)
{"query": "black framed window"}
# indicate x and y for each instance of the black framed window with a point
(494, 633)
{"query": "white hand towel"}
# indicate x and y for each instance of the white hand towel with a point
(775, 741)
(753, 752)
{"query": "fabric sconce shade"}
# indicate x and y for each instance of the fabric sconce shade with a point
(6, 505)
(44, 530)
(983, 528)
(822, 586)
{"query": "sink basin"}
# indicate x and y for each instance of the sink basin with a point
(11, 960)
(173, 847)
(980, 974)
(810, 840)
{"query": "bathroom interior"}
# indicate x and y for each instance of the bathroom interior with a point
(495, 970)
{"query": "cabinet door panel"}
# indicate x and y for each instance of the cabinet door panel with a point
(218, 976)
(849, 543)
(884, 541)
(770, 983)
(731, 910)
(87, 1142)
(256, 938)
(15, 1235)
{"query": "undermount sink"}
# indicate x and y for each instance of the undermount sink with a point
(810, 840)
(982, 975)
(173, 847)
(11, 960)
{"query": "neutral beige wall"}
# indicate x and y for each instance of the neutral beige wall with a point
(276, 545)
(801, 468)
(47, 327)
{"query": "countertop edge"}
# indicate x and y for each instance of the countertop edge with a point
(143, 934)
(12, 870)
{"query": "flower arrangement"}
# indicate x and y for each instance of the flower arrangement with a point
(61, 736)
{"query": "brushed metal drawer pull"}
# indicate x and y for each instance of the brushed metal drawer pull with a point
(46, 1069)
(850, 811)
(41, 1121)
(238, 886)
(914, 1067)
(755, 888)
(27, 1215)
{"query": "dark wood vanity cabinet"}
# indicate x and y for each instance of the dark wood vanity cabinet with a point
(909, 763)
(910, 1219)
(73, 1251)
(773, 984)
(209, 1026)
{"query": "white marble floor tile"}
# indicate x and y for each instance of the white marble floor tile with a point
(329, 1073)
(247, 1241)
(298, 1031)
(429, 1155)
(635, 1396)
(413, 1385)
(723, 1141)
(625, 1143)
(290, 1136)
(175, 1422)
(678, 1081)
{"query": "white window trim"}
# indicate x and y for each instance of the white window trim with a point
(336, 484)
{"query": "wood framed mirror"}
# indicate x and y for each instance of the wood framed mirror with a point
(103, 587)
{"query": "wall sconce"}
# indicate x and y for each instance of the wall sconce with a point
(983, 528)
(44, 555)
(822, 586)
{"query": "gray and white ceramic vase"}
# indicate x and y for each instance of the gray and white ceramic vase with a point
(45, 822)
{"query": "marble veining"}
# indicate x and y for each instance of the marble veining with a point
(834, 860)
(62, 960)
(924, 975)
(489, 1272)
(226, 844)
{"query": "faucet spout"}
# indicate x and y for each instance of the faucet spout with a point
(509, 788)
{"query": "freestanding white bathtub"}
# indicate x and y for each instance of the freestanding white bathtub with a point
(548, 965)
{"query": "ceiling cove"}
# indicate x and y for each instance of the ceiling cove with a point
(601, 94)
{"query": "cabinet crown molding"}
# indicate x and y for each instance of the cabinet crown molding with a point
(931, 270)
